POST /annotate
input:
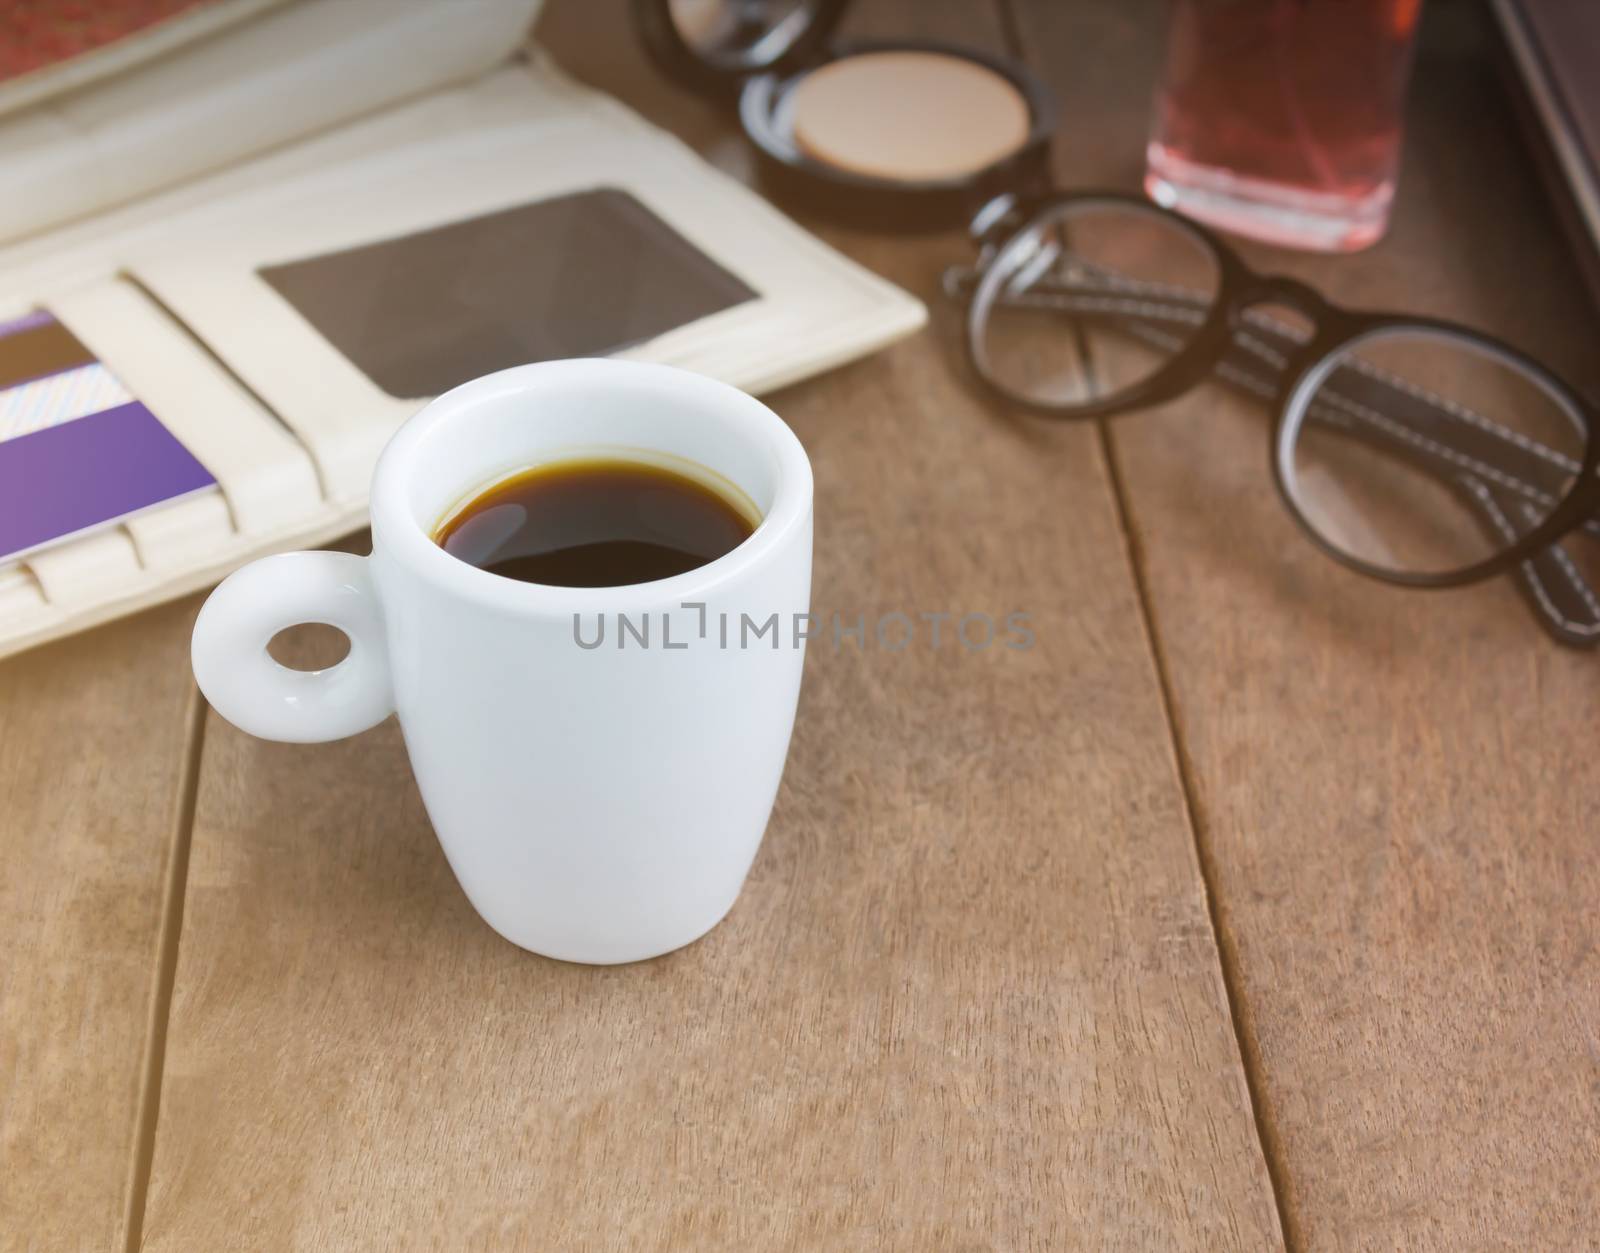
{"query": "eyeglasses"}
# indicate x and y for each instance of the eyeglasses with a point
(1410, 449)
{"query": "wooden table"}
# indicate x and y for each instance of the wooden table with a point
(1254, 906)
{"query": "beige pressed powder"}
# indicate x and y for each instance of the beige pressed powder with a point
(907, 135)
(908, 116)
(699, 21)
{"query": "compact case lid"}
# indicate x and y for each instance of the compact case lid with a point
(815, 122)
(718, 44)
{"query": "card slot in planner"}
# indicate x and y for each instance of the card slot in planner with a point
(266, 477)
(75, 574)
(264, 480)
(177, 535)
(79, 585)
(295, 371)
(22, 598)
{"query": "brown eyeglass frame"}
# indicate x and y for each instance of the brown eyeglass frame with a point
(1469, 456)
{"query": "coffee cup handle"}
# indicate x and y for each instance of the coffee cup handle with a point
(257, 694)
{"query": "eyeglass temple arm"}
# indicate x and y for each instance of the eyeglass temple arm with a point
(1561, 598)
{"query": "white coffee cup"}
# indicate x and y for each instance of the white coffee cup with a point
(597, 804)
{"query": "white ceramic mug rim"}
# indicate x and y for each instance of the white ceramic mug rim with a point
(405, 539)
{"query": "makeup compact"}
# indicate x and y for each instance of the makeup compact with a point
(905, 134)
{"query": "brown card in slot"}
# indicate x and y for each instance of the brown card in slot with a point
(575, 276)
(35, 347)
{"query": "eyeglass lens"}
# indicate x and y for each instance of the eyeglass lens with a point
(1091, 268)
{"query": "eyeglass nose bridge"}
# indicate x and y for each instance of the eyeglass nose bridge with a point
(1279, 289)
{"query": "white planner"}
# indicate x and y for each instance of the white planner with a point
(164, 286)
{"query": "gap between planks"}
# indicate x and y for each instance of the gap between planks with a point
(1243, 1028)
(144, 1143)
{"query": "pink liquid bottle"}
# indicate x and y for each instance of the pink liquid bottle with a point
(1282, 119)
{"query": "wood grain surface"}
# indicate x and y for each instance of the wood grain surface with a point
(1396, 791)
(94, 763)
(969, 998)
(972, 997)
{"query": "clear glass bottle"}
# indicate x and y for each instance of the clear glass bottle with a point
(1282, 119)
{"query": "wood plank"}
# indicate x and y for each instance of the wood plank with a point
(1395, 791)
(970, 996)
(93, 768)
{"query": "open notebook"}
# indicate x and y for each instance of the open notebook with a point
(280, 316)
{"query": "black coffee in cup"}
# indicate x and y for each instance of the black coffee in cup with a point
(594, 523)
